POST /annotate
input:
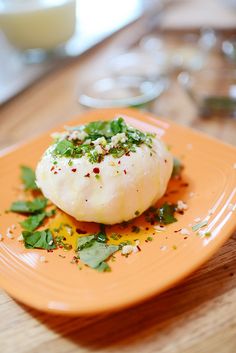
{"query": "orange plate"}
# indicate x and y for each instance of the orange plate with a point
(58, 286)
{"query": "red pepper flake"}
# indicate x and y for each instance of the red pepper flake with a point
(96, 170)
(165, 160)
(176, 231)
(81, 231)
(127, 154)
(125, 171)
(73, 170)
(185, 238)
(55, 172)
(118, 162)
(139, 249)
(59, 168)
(52, 168)
(184, 185)
(87, 175)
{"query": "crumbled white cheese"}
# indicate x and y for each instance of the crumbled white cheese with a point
(202, 232)
(69, 230)
(185, 231)
(20, 238)
(42, 259)
(99, 149)
(127, 249)
(100, 141)
(9, 233)
(121, 137)
(50, 242)
(198, 219)
(163, 247)
(181, 206)
(78, 135)
(159, 229)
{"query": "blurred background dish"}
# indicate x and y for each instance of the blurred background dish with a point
(212, 90)
(122, 91)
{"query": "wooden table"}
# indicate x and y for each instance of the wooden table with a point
(197, 316)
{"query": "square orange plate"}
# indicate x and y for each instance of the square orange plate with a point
(58, 286)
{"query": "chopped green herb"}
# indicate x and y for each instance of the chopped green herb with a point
(94, 254)
(149, 239)
(115, 236)
(207, 234)
(85, 242)
(103, 267)
(33, 222)
(165, 214)
(177, 167)
(199, 225)
(106, 130)
(39, 240)
(60, 242)
(29, 207)
(135, 229)
(28, 178)
(101, 237)
(51, 212)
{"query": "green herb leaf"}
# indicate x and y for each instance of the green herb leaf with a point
(28, 178)
(101, 237)
(39, 240)
(64, 148)
(85, 242)
(166, 214)
(103, 267)
(29, 207)
(199, 225)
(92, 252)
(177, 167)
(33, 222)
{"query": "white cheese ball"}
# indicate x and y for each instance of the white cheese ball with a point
(109, 192)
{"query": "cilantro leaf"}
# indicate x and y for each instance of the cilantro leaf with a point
(92, 252)
(39, 240)
(103, 267)
(165, 214)
(177, 167)
(64, 148)
(118, 126)
(28, 207)
(85, 242)
(33, 222)
(28, 178)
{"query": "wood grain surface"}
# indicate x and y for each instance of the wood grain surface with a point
(197, 316)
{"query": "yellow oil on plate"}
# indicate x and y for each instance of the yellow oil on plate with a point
(208, 186)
